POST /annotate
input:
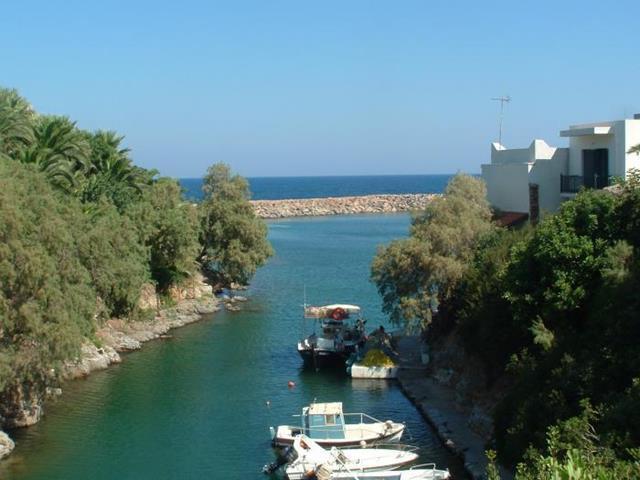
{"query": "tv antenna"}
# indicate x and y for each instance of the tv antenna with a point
(502, 100)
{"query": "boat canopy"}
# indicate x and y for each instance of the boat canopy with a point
(333, 408)
(327, 311)
(324, 421)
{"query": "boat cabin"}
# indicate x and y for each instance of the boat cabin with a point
(323, 421)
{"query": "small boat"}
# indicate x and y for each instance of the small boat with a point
(312, 458)
(328, 426)
(425, 471)
(339, 338)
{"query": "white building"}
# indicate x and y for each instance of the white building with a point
(537, 179)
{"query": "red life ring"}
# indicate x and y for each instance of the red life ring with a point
(338, 313)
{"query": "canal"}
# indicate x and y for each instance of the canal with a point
(199, 405)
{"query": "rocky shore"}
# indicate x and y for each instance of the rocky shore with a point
(117, 336)
(463, 427)
(305, 207)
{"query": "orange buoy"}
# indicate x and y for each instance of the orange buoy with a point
(291, 384)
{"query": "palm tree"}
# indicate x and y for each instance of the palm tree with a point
(16, 123)
(635, 149)
(63, 140)
(59, 150)
(111, 173)
(59, 173)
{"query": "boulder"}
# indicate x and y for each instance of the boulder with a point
(6, 445)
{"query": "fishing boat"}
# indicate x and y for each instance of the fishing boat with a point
(339, 336)
(329, 426)
(311, 457)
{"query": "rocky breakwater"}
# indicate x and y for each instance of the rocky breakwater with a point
(305, 207)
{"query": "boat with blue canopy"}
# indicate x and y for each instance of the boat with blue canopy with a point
(329, 426)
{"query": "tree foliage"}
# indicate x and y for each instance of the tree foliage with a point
(234, 240)
(110, 249)
(169, 228)
(47, 300)
(416, 276)
(554, 311)
(82, 229)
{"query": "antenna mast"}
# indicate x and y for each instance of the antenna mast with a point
(502, 100)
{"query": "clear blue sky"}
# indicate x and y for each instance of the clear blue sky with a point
(323, 87)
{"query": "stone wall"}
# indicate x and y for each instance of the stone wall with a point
(341, 205)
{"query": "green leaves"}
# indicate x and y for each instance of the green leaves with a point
(234, 241)
(168, 227)
(417, 274)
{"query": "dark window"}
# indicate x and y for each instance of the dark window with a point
(595, 167)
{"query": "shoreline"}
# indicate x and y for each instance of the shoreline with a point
(440, 409)
(116, 337)
(351, 205)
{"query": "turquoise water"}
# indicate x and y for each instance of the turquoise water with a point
(273, 188)
(194, 406)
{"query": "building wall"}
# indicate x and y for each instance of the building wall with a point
(508, 186)
(614, 142)
(546, 173)
(632, 138)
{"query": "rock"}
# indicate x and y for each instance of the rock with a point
(52, 392)
(6, 445)
(480, 422)
(148, 299)
(91, 358)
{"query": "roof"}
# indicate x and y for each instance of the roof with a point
(511, 219)
(580, 131)
(326, 310)
(333, 408)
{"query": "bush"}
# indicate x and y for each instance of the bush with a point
(47, 301)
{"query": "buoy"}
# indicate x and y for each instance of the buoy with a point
(291, 384)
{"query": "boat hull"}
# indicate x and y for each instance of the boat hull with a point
(324, 358)
(341, 443)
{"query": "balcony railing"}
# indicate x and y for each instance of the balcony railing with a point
(573, 183)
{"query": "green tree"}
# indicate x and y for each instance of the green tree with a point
(16, 124)
(47, 302)
(110, 173)
(169, 228)
(233, 239)
(111, 250)
(416, 276)
(60, 150)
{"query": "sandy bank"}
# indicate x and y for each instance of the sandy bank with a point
(341, 205)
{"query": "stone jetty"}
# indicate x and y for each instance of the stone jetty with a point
(306, 207)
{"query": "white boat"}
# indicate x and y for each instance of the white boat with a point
(313, 459)
(426, 471)
(328, 426)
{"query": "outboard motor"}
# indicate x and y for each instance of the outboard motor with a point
(288, 455)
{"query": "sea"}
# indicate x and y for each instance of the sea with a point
(277, 188)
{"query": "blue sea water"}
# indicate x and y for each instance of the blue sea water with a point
(275, 188)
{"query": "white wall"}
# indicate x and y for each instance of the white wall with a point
(578, 144)
(546, 173)
(508, 186)
(632, 138)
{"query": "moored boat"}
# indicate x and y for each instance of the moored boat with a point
(426, 471)
(339, 338)
(311, 457)
(328, 425)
